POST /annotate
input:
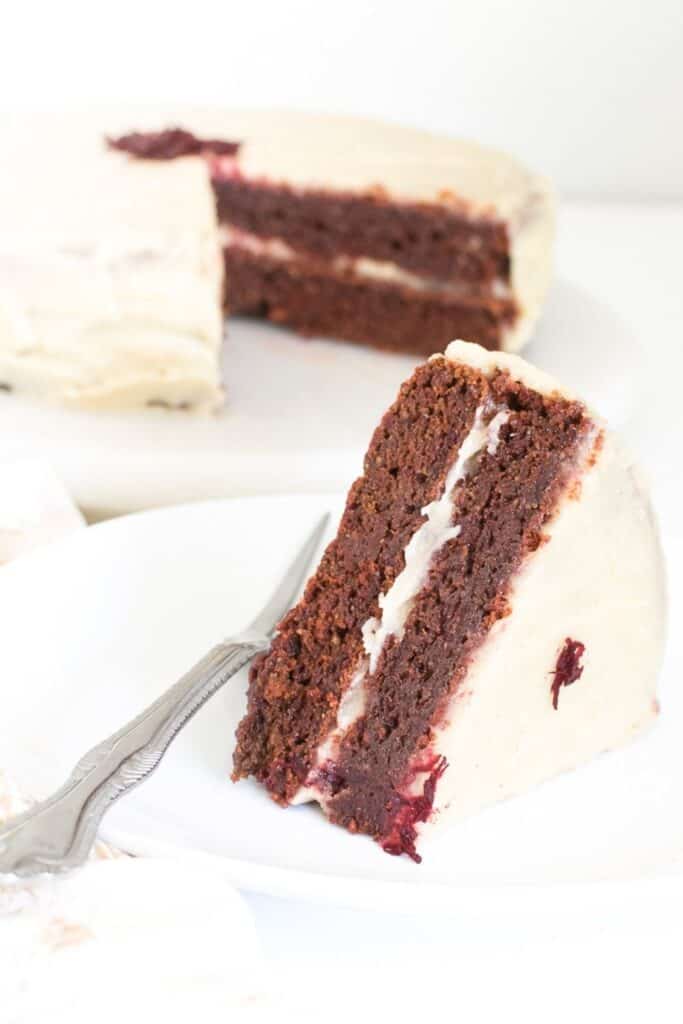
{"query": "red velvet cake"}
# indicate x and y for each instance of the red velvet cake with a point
(489, 614)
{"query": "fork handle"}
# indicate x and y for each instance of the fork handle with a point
(58, 834)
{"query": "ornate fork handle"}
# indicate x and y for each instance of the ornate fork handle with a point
(57, 834)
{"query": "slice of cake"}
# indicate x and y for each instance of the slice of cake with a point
(110, 271)
(489, 614)
(371, 232)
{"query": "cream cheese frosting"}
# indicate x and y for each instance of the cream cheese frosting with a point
(110, 271)
(598, 579)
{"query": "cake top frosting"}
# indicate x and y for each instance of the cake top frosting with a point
(59, 178)
(359, 154)
(299, 149)
(519, 369)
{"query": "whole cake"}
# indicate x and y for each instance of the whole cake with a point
(112, 286)
(490, 612)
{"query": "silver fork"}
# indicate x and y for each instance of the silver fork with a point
(58, 834)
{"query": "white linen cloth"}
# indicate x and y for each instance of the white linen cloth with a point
(122, 938)
(35, 507)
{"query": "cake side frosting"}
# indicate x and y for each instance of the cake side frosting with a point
(597, 582)
(531, 264)
(110, 272)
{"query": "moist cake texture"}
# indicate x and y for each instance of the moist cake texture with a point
(474, 627)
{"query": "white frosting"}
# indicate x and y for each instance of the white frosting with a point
(489, 363)
(531, 249)
(598, 580)
(110, 271)
(272, 248)
(577, 585)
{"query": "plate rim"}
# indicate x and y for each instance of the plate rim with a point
(543, 899)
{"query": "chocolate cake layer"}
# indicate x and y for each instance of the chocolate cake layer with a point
(439, 241)
(501, 509)
(372, 311)
(296, 687)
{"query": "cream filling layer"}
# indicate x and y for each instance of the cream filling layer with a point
(436, 531)
(397, 602)
(363, 266)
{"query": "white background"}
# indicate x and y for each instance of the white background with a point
(589, 91)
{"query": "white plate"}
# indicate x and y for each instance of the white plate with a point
(99, 625)
(299, 413)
